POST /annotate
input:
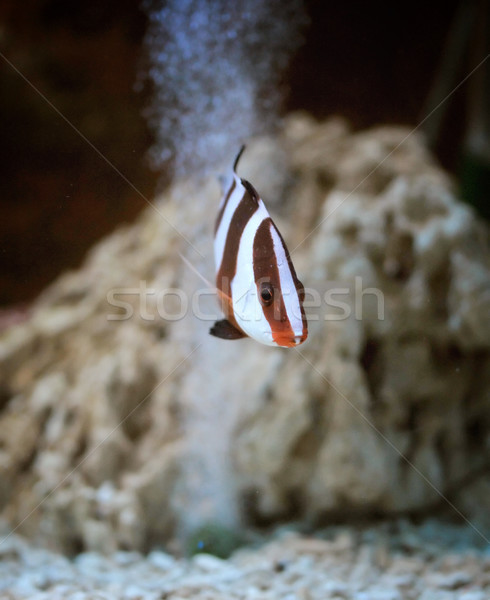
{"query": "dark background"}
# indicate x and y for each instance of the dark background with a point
(372, 63)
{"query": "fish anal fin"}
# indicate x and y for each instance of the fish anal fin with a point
(226, 331)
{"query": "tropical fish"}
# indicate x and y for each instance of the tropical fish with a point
(260, 294)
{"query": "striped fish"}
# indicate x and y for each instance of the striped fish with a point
(260, 295)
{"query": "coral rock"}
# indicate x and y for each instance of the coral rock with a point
(124, 424)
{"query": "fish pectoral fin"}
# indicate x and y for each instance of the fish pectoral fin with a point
(226, 331)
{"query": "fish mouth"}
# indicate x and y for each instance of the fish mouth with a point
(299, 339)
(289, 341)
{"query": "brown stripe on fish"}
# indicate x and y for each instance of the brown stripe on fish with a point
(223, 208)
(245, 209)
(268, 281)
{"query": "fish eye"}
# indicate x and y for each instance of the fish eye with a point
(266, 294)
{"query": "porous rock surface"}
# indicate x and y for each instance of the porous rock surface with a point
(121, 434)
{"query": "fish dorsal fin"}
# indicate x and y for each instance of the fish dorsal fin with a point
(246, 184)
(226, 331)
(251, 190)
(237, 158)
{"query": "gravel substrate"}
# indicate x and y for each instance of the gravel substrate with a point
(390, 561)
